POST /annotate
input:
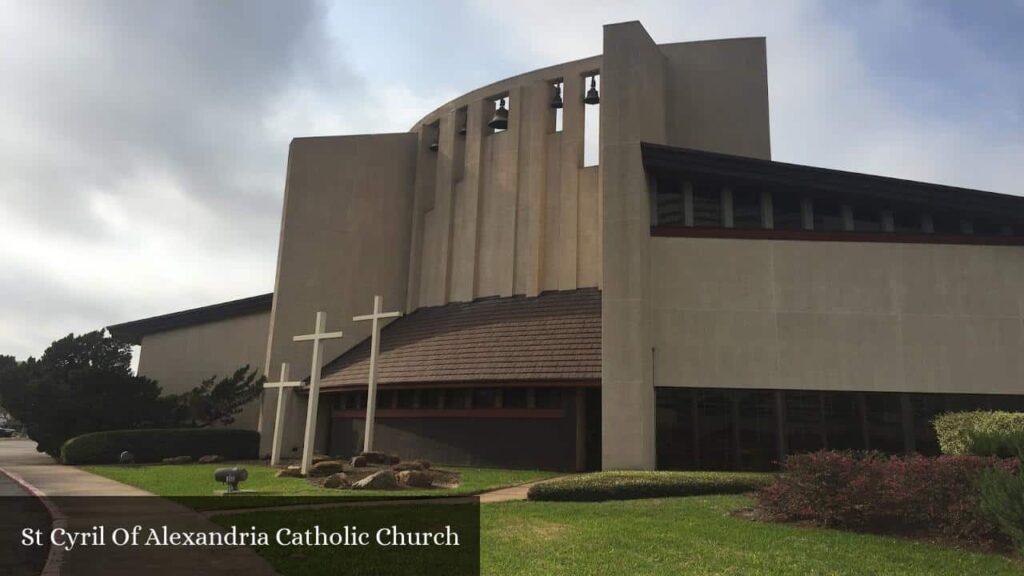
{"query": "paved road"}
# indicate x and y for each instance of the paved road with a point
(20, 510)
(87, 500)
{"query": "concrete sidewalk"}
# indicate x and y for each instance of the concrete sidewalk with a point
(87, 500)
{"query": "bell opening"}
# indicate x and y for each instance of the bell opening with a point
(592, 96)
(499, 121)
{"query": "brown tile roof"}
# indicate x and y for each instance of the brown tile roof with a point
(554, 336)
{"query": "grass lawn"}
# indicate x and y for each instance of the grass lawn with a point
(193, 484)
(692, 535)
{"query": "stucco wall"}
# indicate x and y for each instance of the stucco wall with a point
(344, 237)
(181, 359)
(837, 315)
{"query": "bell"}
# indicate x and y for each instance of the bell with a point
(556, 102)
(462, 129)
(592, 97)
(500, 120)
(434, 145)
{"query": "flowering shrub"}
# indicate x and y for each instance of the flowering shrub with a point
(876, 493)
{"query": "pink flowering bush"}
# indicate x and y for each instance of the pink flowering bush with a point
(876, 493)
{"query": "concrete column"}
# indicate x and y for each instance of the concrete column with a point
(632, 111)
(572, 162)
(477, 115)
(444, 206)
(530, 239)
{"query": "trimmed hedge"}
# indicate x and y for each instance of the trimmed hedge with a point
(954, 429)
(1003, 444)
(153, 445)
(600, 486)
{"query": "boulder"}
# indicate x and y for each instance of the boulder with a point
(326, 468)
(318, 458)
(424, 463)
(289, 472)
(126, 457)
(337, 481)
(375, 457)
(210, 459)
(358, 462)
(392, 459)
(382, 480)
(415, 478)
(408, 465)
(177, 460)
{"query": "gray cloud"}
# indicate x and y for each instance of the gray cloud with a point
(136, 161)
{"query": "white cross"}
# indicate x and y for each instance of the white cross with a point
(317, 338)
(275, 447)
(371, 393)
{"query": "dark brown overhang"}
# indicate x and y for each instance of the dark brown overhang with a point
(134, 331)
(669, 159)
(552, 337)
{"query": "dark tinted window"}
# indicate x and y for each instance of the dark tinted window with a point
(786, 211)
(867, 219)
(828, 215)
(513, 398)
(906, 222)
(670, 203)
(746, 209)
(548, 398)
(707, 206)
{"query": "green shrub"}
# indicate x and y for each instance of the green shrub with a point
(1001, 500)
(954, 429)
(600, 486)
(1002, 444)
(153, 445)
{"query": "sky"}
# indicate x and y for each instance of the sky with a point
(143, 144)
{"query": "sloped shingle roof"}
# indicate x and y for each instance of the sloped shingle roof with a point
(554, 336)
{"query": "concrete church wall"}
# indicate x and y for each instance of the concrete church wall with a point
(514, 212)
(182, 358)
(837, 315)
(704, 95)
(344, 237)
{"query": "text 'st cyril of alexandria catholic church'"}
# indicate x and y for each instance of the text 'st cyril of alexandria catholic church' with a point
(684, 303)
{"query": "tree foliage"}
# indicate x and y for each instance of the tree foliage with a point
(218, 401)
(80, 384)
(85, 384)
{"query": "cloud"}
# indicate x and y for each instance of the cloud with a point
(140, 167)
(143, 145)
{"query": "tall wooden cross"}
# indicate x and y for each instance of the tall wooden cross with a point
(317, 338)
(275, 447)
(371, 393)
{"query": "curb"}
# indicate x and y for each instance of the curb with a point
(55, 558)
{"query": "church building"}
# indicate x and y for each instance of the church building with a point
(670, 298)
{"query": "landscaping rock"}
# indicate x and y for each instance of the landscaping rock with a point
(375, 457)
(415, 478)
(337, 481)
(210, 459)
(326, 468)
(393, 459)
(126, 458)
(177, 460)
(289, 472)
(318, 458)
(383, 480)
(358, 462)
(410, 465)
